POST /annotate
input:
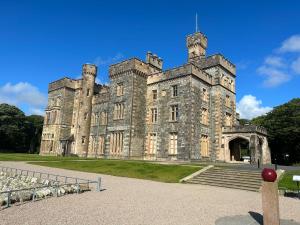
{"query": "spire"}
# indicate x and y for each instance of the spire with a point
(196, 22)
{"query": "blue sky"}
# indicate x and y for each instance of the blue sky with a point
(41, 41)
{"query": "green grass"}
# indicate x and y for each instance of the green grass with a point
(32, 157)
(122, 168)
(287, 180)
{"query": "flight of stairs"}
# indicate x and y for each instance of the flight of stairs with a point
(249, 180)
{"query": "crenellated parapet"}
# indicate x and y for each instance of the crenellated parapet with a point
(154, 61)
(131, 65)
(90, 69)
(216, 60)
(245, 129)
(196, 44)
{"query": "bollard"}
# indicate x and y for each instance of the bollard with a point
(8, 199)
(99, 185)
(270, 201)
(33, 195)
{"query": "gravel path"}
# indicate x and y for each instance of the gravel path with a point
(132, 201)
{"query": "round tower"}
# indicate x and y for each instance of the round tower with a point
(89, 73)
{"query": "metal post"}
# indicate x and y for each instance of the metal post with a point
(8, 199)
(33, 195)
(98, 189)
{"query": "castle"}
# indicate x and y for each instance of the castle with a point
(184, 113)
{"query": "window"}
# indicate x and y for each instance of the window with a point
(227, 101)
(152, 140)
(174, 90)
(47, 118)
(154, 94)
(120, 89)
(204, 95)
(154, 115)
(82, 139)
(173, 144)
(101, 144)
(119, 111)
(85, 115)
(174, 113)
(228, 120)
(103, 118)
(116, 142)
(204, 116)
(204, 145)
(88, 92)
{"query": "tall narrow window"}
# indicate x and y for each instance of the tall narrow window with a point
(103, 118)
(85, 115)
(204, 95)
(118, 111)
(228, 120)
(204, 145)
(174, 113)
(174, 90)
(116, 143)
(173, 143)
(204, 116)
(88, 92)
(120, 89)
(154, 94)
(83, 139)
(154, 115)
(227, 100)
(101, 144)
(152, 140)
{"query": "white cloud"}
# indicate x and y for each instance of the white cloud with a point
(23, 93)
(275, 61)
(273, 76)
(296, 65)
(249, 107)
(99, 61)
(292, 44)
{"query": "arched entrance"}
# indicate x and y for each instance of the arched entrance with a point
(239, 149)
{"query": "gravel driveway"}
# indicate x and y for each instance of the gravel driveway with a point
(132, 201)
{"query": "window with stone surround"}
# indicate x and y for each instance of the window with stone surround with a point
(103, 118)
(152, 143)
(204, 116)
(119, 111)
(228, 120)
(174, 113)
(175, 90)
(153, 115)
(154, 95)
(204, 95)
(101, 144)
(82, 139)
(116, 142)
(173, 143)
(227, 101)
(120, 89)
(204, 145)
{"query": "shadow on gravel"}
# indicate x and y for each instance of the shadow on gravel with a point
(253, 218)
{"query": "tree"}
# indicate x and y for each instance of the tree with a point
(19, 133)
(283, 126)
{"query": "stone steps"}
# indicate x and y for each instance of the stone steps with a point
(249, 180)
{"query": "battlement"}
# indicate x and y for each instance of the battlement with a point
(130, 65)
(197, 38)
(187, 69)
(154, 60)
(89, 69)
(245, 129)
(218, 59)
(62, 83)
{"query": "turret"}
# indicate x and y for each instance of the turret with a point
(196, 44)
(89, 73)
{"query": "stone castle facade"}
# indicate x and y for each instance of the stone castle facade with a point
(184, 113)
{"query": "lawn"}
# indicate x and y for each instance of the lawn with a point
(122, 168)
(32, 157)
(287, 180)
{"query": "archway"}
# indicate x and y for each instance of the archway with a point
(239, 149)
